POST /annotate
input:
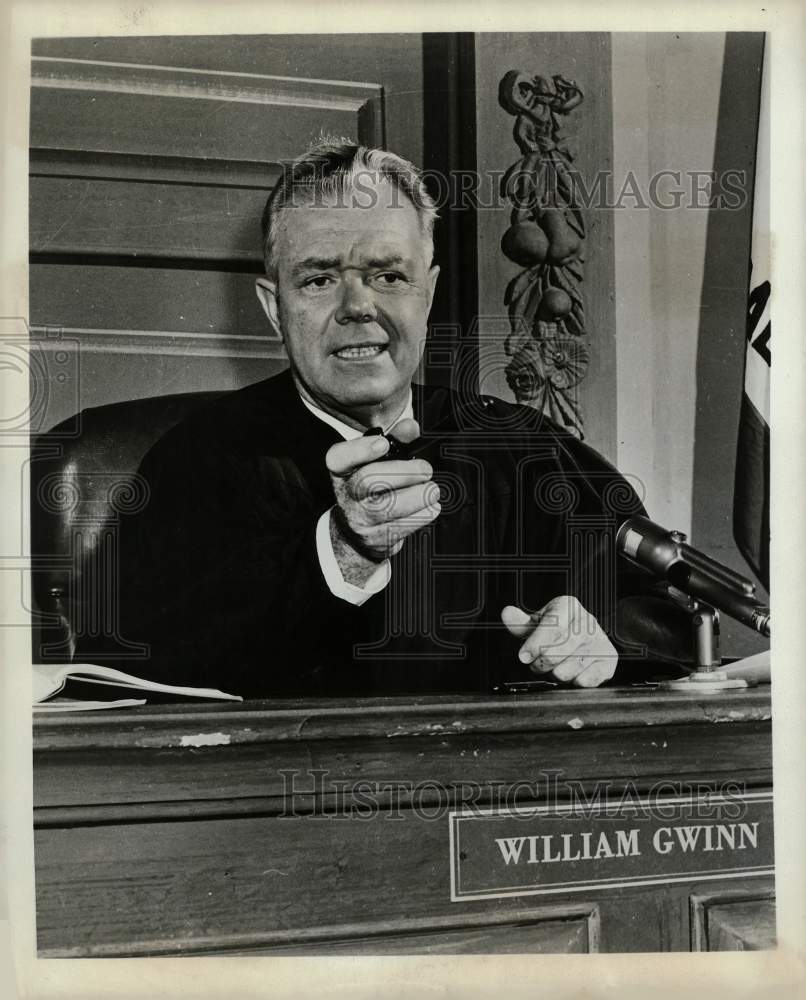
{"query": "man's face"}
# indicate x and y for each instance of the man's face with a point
(352, 295)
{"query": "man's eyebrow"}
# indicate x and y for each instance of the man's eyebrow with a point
(316, 264)
(334, 263)
(381, 262)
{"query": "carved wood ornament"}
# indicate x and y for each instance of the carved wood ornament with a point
(547, 343)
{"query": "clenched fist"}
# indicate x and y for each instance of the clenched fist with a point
(379, 503)
(565, 640)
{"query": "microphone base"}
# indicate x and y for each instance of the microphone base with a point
(704, 682)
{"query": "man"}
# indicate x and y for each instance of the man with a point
(285, 550)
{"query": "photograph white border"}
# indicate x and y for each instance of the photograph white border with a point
(776, 974)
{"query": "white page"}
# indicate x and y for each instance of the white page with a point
(49, 679)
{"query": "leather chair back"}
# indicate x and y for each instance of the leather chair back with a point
(83, 480)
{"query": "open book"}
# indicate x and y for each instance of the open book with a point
(86, 686)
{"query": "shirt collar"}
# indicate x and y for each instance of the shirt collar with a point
(350, 433)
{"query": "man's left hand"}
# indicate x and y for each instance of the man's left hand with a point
(565, 640)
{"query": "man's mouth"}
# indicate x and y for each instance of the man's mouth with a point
(360, 351)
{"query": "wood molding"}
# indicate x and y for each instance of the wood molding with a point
(350, 933)
(156, 342)
(143, 168)
(197, 84)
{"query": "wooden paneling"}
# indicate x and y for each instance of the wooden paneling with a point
(195, 885)
(80, 218)
(107, 334)
(72, 370)
(80, 108)
(155, 155)
(742, 926)
(182, 301)
(150, 166)
(99, 106)
(233, 884)
(394, 61)
(738, 920)
(177, 823)
(237, 884)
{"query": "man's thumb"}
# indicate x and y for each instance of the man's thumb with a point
(517, 621)
(405, 431)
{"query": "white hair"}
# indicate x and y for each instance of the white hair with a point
(333, 167)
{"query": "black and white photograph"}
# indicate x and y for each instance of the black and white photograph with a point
(396, 507)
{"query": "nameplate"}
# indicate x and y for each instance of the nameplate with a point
(563, 848)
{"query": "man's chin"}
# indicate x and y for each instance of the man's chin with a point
(369, 390)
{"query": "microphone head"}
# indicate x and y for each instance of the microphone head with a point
(648, 545)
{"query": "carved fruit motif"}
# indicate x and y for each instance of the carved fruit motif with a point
(563, 241)
(525, 243)
(555, 303)
(547, 345)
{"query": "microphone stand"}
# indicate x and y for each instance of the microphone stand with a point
(706, 676)
(694, 580)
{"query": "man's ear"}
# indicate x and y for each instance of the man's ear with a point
(267, 296)
(431, 284)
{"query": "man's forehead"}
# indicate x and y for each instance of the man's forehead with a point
(351, 227)
(357, 204)
(362, 189)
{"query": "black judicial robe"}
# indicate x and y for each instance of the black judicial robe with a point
(220, 575)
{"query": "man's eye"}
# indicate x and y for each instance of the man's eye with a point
(318, 281)
(390, 278)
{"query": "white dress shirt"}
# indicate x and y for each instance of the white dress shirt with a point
(324, 546)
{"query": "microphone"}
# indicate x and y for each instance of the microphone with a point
(666, 555)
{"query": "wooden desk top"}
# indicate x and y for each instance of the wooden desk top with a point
(176, 725)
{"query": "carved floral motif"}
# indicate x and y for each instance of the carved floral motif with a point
(546, 237)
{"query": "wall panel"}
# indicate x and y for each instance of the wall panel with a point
(150, 164)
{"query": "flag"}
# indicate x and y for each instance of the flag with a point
(751, 497)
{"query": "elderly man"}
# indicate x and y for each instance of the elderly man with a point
(286, 550)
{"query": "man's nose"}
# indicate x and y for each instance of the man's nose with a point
(356, 304)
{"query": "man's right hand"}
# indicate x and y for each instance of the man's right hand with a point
(378, 503)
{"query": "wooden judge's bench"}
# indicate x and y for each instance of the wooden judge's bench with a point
(382, 826)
